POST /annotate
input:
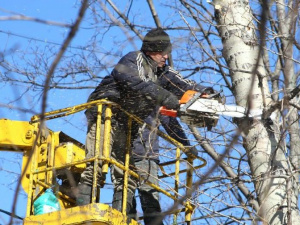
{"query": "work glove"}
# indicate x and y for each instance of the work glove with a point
(191, 152)
(171, 102)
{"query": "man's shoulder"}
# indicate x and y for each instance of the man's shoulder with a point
(134, 55)
(170, 70)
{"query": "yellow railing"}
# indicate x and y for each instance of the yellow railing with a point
(50, 168)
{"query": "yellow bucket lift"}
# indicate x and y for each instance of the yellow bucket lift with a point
(49, 155)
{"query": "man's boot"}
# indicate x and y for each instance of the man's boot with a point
(84, 194)
(151, 209)
(152, 216)
(130, 207)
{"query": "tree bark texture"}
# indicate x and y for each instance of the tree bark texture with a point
(275, 184)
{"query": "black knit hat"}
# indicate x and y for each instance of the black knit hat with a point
(157, 40)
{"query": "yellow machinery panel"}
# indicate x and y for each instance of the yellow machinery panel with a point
(92, 214)
(67, 153)
(15, 135)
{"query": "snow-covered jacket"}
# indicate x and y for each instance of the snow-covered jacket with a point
(139, 87)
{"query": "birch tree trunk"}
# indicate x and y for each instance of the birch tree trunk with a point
(271, 172)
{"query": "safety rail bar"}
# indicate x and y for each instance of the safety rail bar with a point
(189, 207)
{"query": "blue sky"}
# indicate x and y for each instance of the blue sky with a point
(23, 30)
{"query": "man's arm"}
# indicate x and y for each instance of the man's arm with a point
(178, 85)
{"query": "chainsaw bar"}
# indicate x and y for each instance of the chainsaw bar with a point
(202, 111)
(212, 106)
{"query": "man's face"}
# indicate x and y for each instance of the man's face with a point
(159, 57)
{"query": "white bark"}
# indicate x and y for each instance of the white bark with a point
(286, 22)
(269, 165)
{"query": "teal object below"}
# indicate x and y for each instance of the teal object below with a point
(46, 203)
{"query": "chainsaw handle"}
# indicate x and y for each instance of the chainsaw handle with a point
(187, 96)
(167, 112)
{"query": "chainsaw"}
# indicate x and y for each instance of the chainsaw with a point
(202, 110)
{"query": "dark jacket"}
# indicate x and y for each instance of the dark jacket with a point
(140, 88)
